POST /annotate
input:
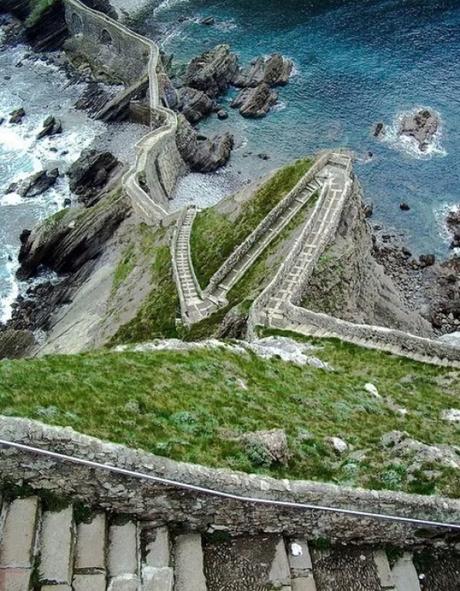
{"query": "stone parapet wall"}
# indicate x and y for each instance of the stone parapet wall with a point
(265, 224)
(168, 504)
(116, 50)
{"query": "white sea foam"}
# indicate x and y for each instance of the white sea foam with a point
(13, 287)
(279, 106)
(409, 145)
(440, 213)
(167, 5)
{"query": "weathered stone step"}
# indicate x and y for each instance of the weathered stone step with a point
(301, 567)
(404, 574)
(157, 573)
(56, 547)
(122, 558)
(90, 567)
(189, 572)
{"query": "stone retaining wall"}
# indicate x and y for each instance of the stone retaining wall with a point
(198, 511)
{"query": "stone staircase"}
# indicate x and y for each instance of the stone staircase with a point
(61, 550)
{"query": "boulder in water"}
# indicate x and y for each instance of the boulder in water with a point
(453, 224)
(17, 115)
(274, 70)
(194, 104)
(255, 102)
(35, 184)
(51, 126)
(422, 126)
(213, 71)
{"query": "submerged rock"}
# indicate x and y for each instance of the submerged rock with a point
(255, 102)
(194, 104)
(36, 184)
(422, 126)
(17, 115)
(201, 153)
(273, 70)
(213, 71)
(89, 174)
(51, 126)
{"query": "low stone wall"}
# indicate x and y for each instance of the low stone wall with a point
(167, 504)
(262, 228)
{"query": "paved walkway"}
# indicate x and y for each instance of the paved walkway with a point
(104, 553)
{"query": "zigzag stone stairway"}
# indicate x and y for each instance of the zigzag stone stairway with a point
(47, 550)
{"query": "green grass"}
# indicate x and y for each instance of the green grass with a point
(190, 405)
(215, 236)
(38, 7)
(156, 317)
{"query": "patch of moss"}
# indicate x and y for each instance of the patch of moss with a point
(38, 7)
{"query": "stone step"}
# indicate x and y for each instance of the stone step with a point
(56, 547)
(189, 570)
(90, 546)
(157, 574)
(123, 557)
(404, 574)
(301, 567)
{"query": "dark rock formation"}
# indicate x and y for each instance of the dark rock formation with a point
(453, 224)
(255, 102)
(200, 153)
(422, 126)
(403, 206)
(89, 174)
(102, 6)
(426, 260)
(15, 343)
(67, 240)
(209, 20)
(273, 70)
(222, 114)
(36, 184)
(194, 104)
(51, 126)
(379, 130)
(49, 31)
(17, 115)
(213, 71)
(93, 98)
(234, 324)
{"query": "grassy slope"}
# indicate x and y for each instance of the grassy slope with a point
(215, 237)
(184, 405)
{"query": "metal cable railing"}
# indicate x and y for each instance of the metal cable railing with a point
(226, 495)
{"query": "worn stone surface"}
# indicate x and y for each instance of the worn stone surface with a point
(91, 542)
(15, 579)
(122, 554)
(56, 541)
(89, 582)
(157, 548)
(157, 578)
(170, 505)
(188, 562)
(404, 574)
(17, 544)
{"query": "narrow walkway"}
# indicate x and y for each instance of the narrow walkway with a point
(57, 550)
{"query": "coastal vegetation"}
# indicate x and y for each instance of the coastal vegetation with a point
(194, 405)
(215, 236)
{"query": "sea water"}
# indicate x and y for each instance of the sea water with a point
(356, 64)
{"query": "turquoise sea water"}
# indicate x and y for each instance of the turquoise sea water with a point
(356, 63)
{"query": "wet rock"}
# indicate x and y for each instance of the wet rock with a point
(2, 120)
(403, 206)
(267, 447)
(273, 70)
(222, 114)
(90, 173)
(453, 225)
(213, 71)
(17, 115)
(15, 343)
(36, 184)
(255, 102)
(427, 260)
(194, 104)
(368, 210)
(422, 126)
(199, 152)
(263, 156)
(379, 130)
(51, 126)
(209, 20)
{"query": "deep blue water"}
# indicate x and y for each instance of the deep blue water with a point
(357, 63)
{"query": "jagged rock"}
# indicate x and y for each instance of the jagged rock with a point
(274, 70)
(368, 210)
(213, 71)
(451, 415)
(338, 445)
(36, 184)
(379, 130)
(234, 324)
(399, 444)
(209, 20)
(404, 206)
(267, 447)
(453, 225)
(426, 260)
(49, 31)
(194, 104)
(93, 98)
(89, 174)
(422, 126)
(64, 242)
(222, 114)
(255, 102)
(17, 115)
(200, 153)
(15, 343)
(51, 126)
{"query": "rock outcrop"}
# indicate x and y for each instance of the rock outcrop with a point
(194, 104)
(453, 225)
(267, 448)
(64, 242)
(17, 115)
(90, 173)
(213, 71)
(51, 126)
(422, 126)
(201, 153)
(36, 184)
(255, 102)
(15, 343)
(273, 70)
